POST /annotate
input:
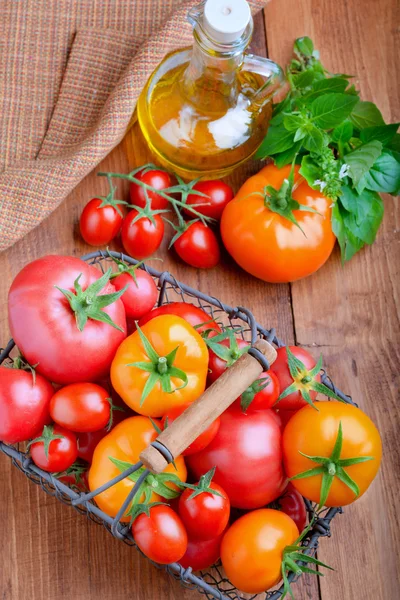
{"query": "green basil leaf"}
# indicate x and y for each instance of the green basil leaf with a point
(293, 122)
(324, 86)
(304, 46)
(364, 213)
(366, 114)
(315, 139)
(361, 159)
(395, 143)
(310, 170)
(286, 157)
(278, 139)
(384, 175)
(382, 133)
(303, 79)
(342, 133)
(330, 110)
(348, 242)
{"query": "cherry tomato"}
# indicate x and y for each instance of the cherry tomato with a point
(198, 246)
(280, 368)
(262, 394)
(161, 536)
(141, 294)
(191, 313)
(285, 416)
(202, 440)
(247, 454)
(292, 504)
(217, 365)
(252, 548)
(205, 515)
(202, 554)
(99, 222)
(270, 246)
(160, 180)
(141, 238)
(24, 404)
(55, 450)
(219, 194)
(335, 428)
(81, 407)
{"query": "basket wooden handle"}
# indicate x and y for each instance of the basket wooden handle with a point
(210, 405)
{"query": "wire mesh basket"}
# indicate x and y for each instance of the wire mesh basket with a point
(212, 583)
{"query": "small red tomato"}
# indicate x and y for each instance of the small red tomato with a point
(202, 440)
(88, 441)
(55, 450)
(160, 180)
(198, 246)
(205, 515)
(202, 554)
(142, 237)
(141, 294)
(219, 194)
(100, 222)
(191, 313)
(217, 365)
(261, 394)
(280, 367)
(285, 416)
(292, 504)
(81, 407)
(161, 536)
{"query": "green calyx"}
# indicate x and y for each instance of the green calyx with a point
(229, 353)
(21, 364)
(88, 304)
(333, 466)
(160, 368)
(47, 437)
(76, 470)
(113, 408)
(295, 560)
(123, 267)
(180, 228)
(248, 395)
(109, 200)
(203, 487)
(304, 380)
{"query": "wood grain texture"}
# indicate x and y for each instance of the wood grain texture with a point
(48, 551)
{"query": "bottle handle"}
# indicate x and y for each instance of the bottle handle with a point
(274, 78)
(203, 411)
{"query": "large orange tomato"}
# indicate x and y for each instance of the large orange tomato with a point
(252, 549)
(115, 452)
(332, 454)
(161, 366)
(269, 245)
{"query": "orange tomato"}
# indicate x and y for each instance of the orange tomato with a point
(165, 334)
(252, 549)
(315, 433)
(124, 443)
(268, 245)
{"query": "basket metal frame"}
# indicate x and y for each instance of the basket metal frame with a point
(212, 583)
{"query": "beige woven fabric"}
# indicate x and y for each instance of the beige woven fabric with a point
(70, 74)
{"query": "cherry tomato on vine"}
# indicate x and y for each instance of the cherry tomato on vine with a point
(140, 236)
(191, 313)
(292, 504)
(217, 195)
(100, 222)
(229, 350)
(81, 407)
(202, 440)
(198, 246)
(261, 394)
(161, 536)
(160, 180)
(280, 368)
(141, 292)
(202, 554)
(55, 450)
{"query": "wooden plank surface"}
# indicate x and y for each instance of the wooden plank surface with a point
(49, 551)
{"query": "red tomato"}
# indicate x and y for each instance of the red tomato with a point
(24, 404)
(44, 324)
(192, 314)
(285, 416)
(293, 401)
(198, 246)
(202, 440)
(247, 453)
(219, 194)
(55, 450)
(292, 504)
(99, 222)
(202, 554)
(81, 407)
(205, 515)
(216, 365)
(161, 536)
(262, 394)
(160, 180)
(141, 294)
(141, 238)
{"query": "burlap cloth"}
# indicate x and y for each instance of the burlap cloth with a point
(70, 74)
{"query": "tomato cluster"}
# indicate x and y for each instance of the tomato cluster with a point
(97, 397)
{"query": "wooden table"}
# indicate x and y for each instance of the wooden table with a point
(48, 551)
